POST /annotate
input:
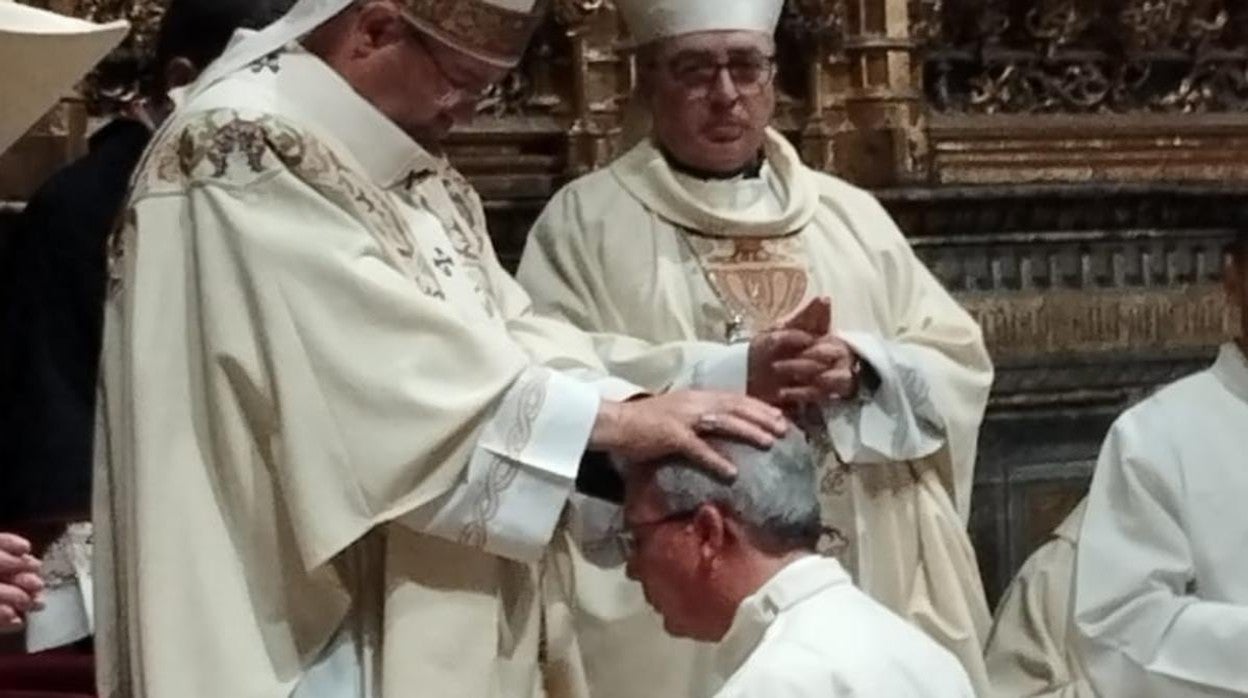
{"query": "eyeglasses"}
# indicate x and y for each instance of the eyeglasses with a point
(458, 91)
(750, 73)
(626, 536)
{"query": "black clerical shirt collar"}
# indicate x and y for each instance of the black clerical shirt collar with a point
(753, 170)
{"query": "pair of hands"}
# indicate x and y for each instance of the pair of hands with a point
(20, 583)
(793, 364)
(800, 363)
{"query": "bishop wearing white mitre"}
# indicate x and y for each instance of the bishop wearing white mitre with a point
(711, 230)
(331, 461)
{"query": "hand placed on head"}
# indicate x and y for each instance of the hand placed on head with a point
(677, 423)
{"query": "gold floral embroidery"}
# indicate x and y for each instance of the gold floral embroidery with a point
(219, 144)
(226, 146)
(488, 29)
(469, 230)
(838, 504)
(761, 279)
(450, 198)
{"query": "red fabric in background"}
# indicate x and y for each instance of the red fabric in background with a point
(68, 673)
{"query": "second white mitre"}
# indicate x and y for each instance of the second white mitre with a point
(651, 20)
(44, 53)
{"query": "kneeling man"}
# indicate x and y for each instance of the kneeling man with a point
(735, 564)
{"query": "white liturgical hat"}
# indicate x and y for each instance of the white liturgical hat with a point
(43, 54)
(651, 20)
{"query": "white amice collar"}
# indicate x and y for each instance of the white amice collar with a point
(732, 208)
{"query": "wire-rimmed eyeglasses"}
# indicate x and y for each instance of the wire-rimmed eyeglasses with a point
(626, 534)
(698, 74)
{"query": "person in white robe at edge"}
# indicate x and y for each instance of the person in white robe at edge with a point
(711, 231)
(1161, 575)
(736, 565)
(1031, 651)
(333, 445)
(47, 53)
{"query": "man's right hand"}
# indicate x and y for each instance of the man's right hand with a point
(20, 583)
(677, 423)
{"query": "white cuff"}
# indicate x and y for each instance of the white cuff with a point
(728, 370)
(522, 471)
(612, 389)
(62, 621)
(896, 422)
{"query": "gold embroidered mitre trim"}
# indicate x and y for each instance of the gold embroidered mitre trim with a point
(478, 27)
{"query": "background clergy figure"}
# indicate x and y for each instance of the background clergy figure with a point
(52, 305)
(712, 230)
(45, 53)
(1161, 578)
(330, 465)
(1031, 650)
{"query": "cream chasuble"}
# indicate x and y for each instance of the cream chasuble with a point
(810, 633)
(661, 267)
(1161, 574)
(1031, 650)
(320, 418)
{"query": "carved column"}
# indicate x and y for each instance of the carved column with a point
(816, 28)
(601, 80)
(884, 102)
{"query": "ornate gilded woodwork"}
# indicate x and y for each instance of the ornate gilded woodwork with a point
(1088, 56)
(888, 92)
(1077, 90)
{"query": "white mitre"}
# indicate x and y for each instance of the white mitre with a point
(651, 20)
(43, 55)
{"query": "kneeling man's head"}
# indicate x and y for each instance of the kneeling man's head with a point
(699, 547)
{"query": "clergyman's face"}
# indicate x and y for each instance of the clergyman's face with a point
(440, 89)
(664, 558)
(711, 96)
(422, 85)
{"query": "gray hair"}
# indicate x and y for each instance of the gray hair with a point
(774, 494)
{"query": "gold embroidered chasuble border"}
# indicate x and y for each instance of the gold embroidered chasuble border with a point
(229, 147)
